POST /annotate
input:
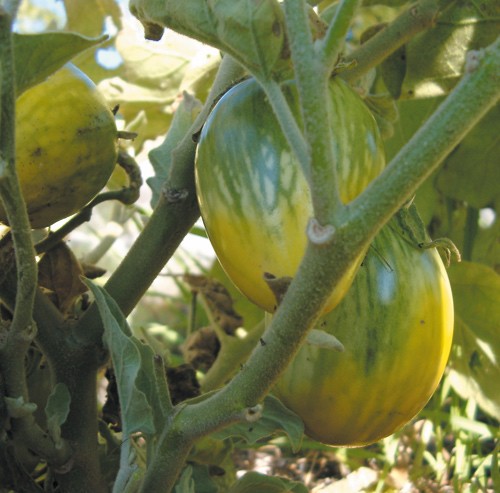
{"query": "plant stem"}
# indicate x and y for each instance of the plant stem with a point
(476, 93)
(419, 17)
(22, 327)
(312, 86)
(333, 41)
(81, 426)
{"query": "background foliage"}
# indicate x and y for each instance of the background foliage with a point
(453, 444)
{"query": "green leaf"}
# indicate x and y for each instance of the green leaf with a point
(253, 482)
(57, 410)
(39, 55)
(161, 156)
(475, 360)
(141, 395)
(276, 419)
(435, 59)
(472, 172)
(252, 31)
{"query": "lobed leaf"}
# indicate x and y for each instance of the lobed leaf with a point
(140, 392)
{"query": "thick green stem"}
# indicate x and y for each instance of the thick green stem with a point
(81, 426)
(175, 453)
(477, 92)
(312, 86)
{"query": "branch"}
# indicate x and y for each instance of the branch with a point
(22, 328)
(476, 93)
(419, 17)
(333, 41)
(312, 86)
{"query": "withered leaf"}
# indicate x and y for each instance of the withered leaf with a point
(218, 301)
(59, 272)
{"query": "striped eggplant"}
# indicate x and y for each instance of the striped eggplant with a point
(254, 199)
(396, 325)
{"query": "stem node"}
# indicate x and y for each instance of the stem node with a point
(319, 234)
(253, 413)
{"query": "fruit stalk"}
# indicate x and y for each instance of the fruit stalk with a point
(333, 41)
